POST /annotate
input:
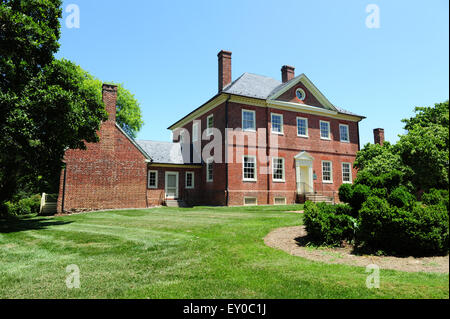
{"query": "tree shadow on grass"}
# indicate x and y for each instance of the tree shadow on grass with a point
(12, 224)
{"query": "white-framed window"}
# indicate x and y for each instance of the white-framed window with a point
(279, 200)
(325, 130)
(249, 168)
(152, 179)
(194, 131)
(209, 124)
(343, 133)
(327, 172)
(346, 172)
(278, 169)
(189, 180)
(250, 201)
(302, 127)
(277, 123)
(210, 169)
(300, 94)
(248, 120)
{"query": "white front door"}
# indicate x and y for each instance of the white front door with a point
(304, 172)
(171, 185)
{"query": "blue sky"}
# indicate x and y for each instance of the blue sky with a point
(165, 52)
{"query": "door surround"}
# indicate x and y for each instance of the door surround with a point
(167, 173)
(305, 184)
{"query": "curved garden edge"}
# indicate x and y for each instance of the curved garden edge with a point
(287, 239)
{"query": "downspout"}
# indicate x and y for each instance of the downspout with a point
(64, 191)
(226, 152)
(267, 155)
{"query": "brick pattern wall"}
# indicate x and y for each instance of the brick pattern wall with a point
(109, 174)
(156, 196)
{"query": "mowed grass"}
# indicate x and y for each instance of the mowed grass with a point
(201, 252)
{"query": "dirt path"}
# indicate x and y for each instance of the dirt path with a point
(289, 239)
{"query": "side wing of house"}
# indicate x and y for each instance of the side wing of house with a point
(109, 174)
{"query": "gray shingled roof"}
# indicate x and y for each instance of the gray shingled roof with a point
(252, 85)
(163, 152)
(262, 87)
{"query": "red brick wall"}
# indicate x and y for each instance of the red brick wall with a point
(109, 174)
(156, 196)
(289, 145)
(212, 193)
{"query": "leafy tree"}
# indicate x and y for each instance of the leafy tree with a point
(45, 106)
(129, 115)
(425, 147)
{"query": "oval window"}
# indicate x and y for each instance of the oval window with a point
(300, 94)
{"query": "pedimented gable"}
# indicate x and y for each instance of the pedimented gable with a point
(310, 94)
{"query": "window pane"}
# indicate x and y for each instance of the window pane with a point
(324, 129)
(209, 172)
(248, 120)
(301, 127)
(278, 169)
(249, 168)
(343, 132)
(346, 172)
(326, 171)
(152, 179)
(277, 125)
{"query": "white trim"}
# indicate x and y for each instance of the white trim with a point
(331, 173)
(310, 86)
(156, 179)
(147, 157)
(302, 107)
(254, 120)
(348, 133)
(271, 123)
(177, 183)
(307, 131)
(209, 129)
(255, 169)
(185, 180)
(279, 198)
(248, 197)
(209, 161)
(350, 173)
(283, 179)
(329, 130)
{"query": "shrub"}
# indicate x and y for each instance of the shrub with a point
(25, 206)
(359, 196)
(400, 197)
(328, 224)
(345, 193)
(410, 230)
(436, 197)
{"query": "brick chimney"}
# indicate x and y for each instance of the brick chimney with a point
(287, 73)
(109, 95)
(378, 136)
(224, 69)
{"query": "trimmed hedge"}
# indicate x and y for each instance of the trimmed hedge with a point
(415, 230)
(329, 224)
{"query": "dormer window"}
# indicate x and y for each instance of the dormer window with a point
(300, 94)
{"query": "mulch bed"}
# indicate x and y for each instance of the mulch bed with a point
(292, 240)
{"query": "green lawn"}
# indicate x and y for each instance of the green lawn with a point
(200, 252)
